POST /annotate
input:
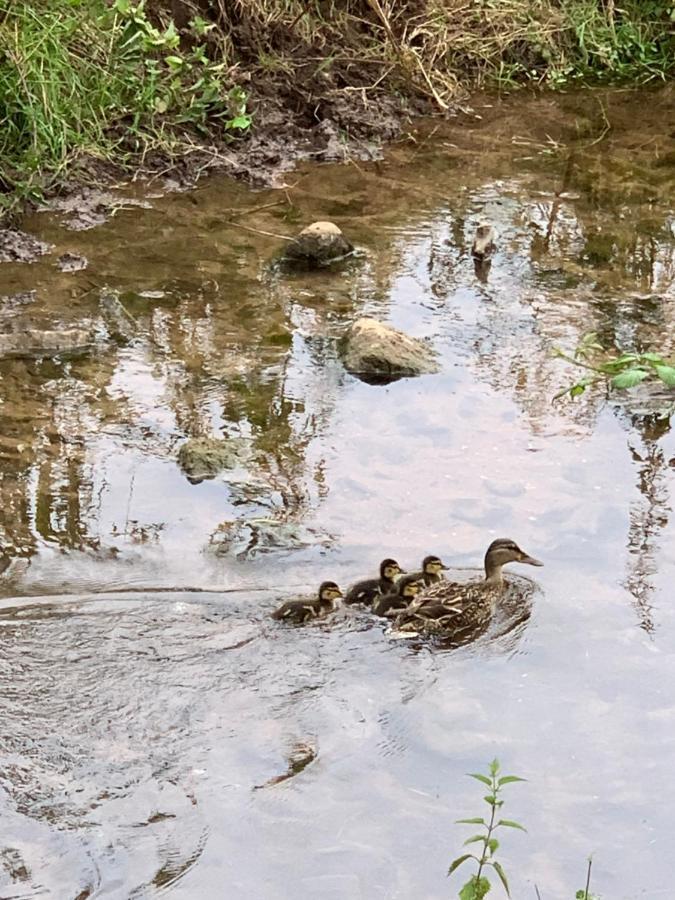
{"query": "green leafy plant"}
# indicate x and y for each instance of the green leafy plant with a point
(619, 372)
(106, 80)
(479, 884)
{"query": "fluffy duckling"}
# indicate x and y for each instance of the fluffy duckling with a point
(367, 591)
(407, 588)
(299, 611)
(454, 608)
(432, 566)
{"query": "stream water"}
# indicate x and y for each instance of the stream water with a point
(146, 733)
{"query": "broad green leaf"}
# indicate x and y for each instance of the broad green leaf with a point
(474, 889)
(502, 875)
(474, 838)
(494, 766)
(476, 821)
(652, 357)
(491, 799)
(456, 863)
(577, 389)
(629, 378)
(240, 122)
(482, 778)
(666, 374)
(507, 779)
(510, 824)
(493, 844)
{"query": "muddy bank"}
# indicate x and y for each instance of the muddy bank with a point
(265, 158)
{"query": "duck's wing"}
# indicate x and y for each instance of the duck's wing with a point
(443, 591)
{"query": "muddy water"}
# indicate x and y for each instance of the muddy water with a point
(179, 743)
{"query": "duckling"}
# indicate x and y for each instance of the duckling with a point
(405, 591)
(431, 570)
(367, 591)
(299, 611)
(453, 608)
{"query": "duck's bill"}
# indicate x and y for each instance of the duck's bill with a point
(530, 561)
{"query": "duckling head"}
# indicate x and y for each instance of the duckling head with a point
(329, 591)
(410, 586)
(390, 570)
(432, 565)
(501, 552)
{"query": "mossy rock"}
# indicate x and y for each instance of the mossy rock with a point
(205, 457)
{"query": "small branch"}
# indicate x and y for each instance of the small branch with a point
(588, 877)
(282, 237)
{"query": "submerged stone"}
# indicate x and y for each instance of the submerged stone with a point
(377, 353)
(245, 538)
(72, 262)
(38, 343)
(319, 244)
(205, 457)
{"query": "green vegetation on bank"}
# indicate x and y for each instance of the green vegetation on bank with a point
(116, 79)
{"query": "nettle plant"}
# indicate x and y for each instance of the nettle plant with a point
(479, 884)
(169, 80)
(618, 372)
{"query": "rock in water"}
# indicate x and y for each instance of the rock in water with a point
(35, 343)
(378, 354)
(484, 241)
(319, 244)
(205, 457)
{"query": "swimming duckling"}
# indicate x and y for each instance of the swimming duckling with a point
(452, 608)
(367, 591)
(405, 591)
(299, 611)
(431, 570)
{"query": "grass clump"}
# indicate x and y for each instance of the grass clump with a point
(85, 78)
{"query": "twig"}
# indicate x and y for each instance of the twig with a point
(536, 890)
(283, 237)
(253, 209)
(588, 877)
(422, 143)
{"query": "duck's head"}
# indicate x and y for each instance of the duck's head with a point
(390, 570)
(410, 586)
(432, 565)
(329, 591)
(503, 551)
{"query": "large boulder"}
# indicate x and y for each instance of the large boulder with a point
(378, 354)
(318, 244)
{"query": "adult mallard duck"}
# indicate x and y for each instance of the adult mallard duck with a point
(299, 611)
(452, 608)
(431, 570)
(406, 589)
(367, 591)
